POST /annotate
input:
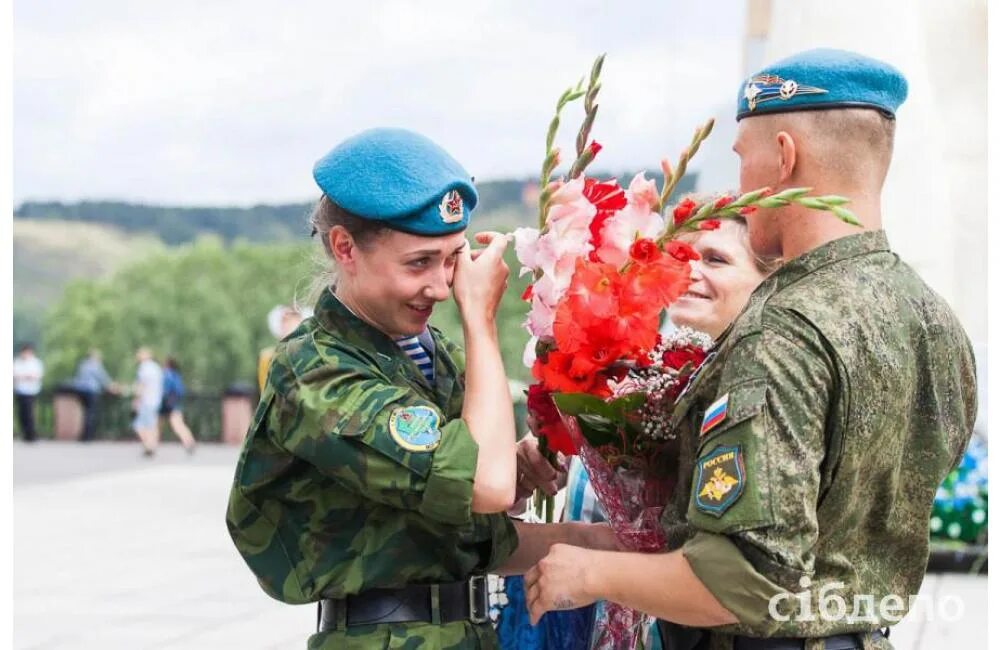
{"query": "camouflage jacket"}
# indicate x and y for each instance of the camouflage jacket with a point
(327, 502)
(814, 438)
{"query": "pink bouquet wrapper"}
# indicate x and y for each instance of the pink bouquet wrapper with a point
(633, 504)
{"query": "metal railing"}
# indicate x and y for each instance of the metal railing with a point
(202, 412)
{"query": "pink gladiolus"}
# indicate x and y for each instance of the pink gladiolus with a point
(642, 191)
(526, 247)
(540, 317)
(636, 220)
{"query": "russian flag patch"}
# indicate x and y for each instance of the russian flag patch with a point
(715, 414)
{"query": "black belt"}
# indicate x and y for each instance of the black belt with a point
(838, 642)
(439, 603)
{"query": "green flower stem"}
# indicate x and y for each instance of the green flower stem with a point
(757, 198)
(669, 185)
(551, 160)
(544, 504)
(583, 155)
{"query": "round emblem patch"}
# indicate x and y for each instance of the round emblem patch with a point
(415, 428)
(788, 89)
(451, 207)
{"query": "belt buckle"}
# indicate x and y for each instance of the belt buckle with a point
(479, 599)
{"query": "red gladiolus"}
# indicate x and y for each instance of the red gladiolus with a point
(540, 404)
(710, 224)
(596, 225)
(723, 201)
(594, 289)
(558, 438)
(678, 357)
(648, 288)
(748, 210)
(594, 147)
(683, 211)
(608, 198)
(681, 251)
(528, 293)
(644, 251)
(558, 375)
(550, 425)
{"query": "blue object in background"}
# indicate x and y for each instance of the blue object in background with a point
(564, 630)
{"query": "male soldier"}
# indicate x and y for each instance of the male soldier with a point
(813, 442)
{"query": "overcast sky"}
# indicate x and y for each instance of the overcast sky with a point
(225, 102)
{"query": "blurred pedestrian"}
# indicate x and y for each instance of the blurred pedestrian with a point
(147, 397)
(28, 371)
(281, 321)
(170, 407)
(90, 380)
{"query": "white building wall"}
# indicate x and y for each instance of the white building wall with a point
(934, 204)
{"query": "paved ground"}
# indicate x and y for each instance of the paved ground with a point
(112, 550)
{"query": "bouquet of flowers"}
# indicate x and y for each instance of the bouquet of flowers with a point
(606, 262)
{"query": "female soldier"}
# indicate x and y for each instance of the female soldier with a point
(359, 484)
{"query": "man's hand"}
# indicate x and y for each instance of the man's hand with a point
(560, 580)
(533, 471)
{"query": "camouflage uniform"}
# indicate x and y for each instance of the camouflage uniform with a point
(325, 503)
(850, 393)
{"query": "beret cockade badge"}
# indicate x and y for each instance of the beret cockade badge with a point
(768, 87)
(451, 207)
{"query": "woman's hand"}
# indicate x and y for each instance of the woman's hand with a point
(481, 278)
(533, 471)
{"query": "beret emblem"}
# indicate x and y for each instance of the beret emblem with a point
(767, 87)
(451, 207)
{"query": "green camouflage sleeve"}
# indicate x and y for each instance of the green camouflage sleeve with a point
(757, 477)
(381, 441)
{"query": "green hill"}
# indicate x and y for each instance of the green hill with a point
(501, 203)
(50, 253)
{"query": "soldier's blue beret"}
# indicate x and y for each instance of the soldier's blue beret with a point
(400, 178)
(822, 78)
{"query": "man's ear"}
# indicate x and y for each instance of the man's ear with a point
(342, 247)
(786, 156)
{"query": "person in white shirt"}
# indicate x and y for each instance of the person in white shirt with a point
(28, 371)
(147, 396)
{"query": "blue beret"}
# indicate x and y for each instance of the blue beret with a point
(400, 178)
(822, 78)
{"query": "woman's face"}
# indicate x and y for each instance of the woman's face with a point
(395, 281)
(721, 281)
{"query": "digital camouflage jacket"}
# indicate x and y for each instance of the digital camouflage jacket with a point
(813, 439)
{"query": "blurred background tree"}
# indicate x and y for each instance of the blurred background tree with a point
(197, 282)
(206, 304)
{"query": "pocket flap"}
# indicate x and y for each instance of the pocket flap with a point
(738, 404)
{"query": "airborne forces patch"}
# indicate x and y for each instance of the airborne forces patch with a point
(720, 480)
(415, 428)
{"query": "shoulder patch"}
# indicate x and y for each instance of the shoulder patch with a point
(715, 414)
(415, 428)
(720, 480)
